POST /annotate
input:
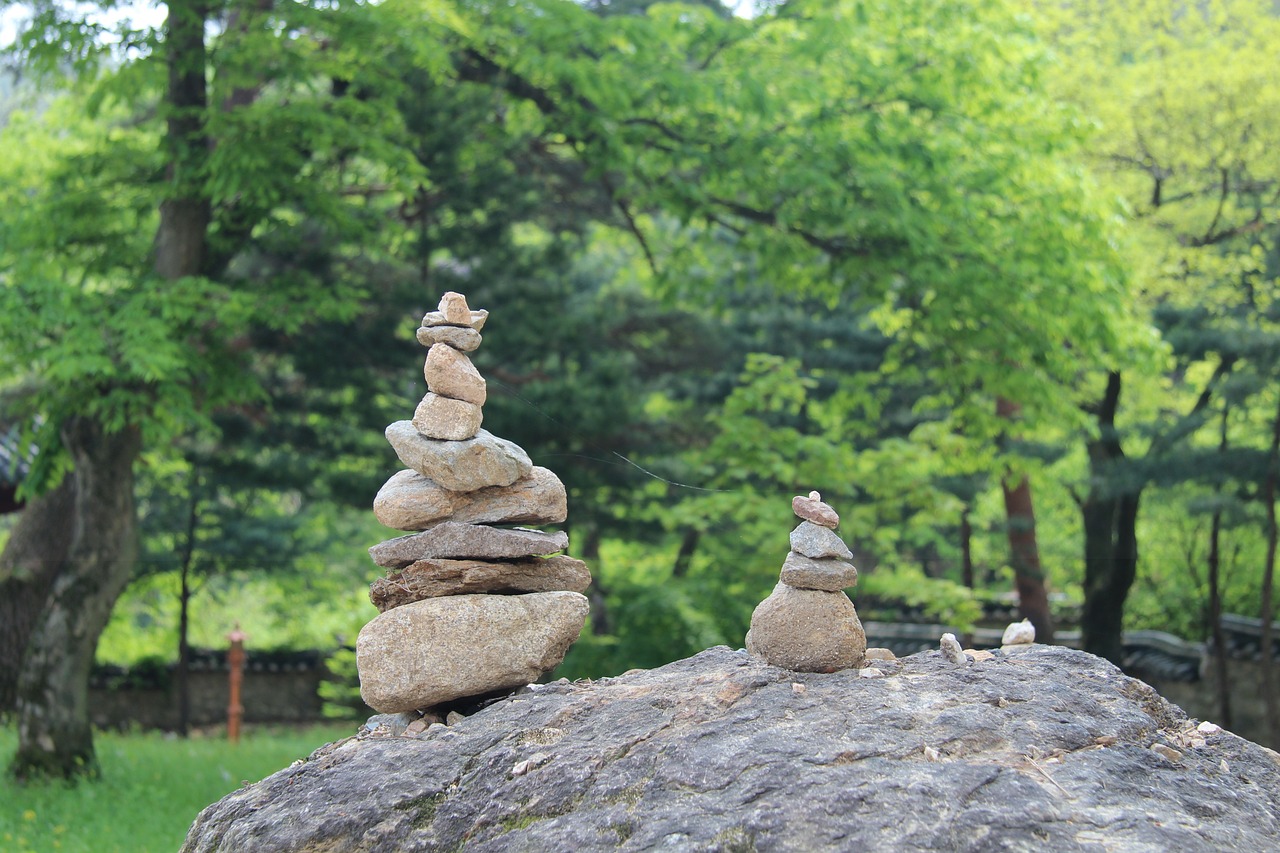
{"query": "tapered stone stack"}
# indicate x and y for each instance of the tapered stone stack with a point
(471, 606)
(807, 623)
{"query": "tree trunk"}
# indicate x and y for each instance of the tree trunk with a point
(1222, 681)
(1268, 588)
(684, 556)
(1110, 516)
(1024, 552)
(183, 672)
(54, 734)
(966, 549)
(33, 557)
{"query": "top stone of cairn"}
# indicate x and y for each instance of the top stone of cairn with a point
(812, 509)
(453, 311)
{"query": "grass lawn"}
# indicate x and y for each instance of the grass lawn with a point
(151, 789)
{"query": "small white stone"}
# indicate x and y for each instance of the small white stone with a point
(870, 672)
(798, 688)
(931, 754)
(1208, 728)
(950, 648)
(1019, 633)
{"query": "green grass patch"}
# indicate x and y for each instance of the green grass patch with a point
(152, 788)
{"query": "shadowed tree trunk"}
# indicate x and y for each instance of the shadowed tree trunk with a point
(1269, 696)
(1110, 514)
(54, 734)
(1024, 553)
(35, 554)
(1222, 681)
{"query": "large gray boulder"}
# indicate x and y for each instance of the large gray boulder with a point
(1040, 748)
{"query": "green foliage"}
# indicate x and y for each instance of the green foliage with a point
(152, 788)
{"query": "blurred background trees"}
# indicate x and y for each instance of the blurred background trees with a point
(917, 255)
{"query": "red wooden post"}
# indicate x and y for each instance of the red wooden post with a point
(235, 660)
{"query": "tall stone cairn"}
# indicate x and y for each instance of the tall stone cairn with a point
(807, 623)
(471, 606)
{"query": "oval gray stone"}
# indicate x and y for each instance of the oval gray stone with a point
(460, 466)
(827, 574)
(461, 338)
(817, 542)
(440, 649)
(807, 630)
(449, 373)
(410, 501)
(454, 540)
(445, 419)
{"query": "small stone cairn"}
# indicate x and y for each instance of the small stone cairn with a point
(807, 623)
(469, 608)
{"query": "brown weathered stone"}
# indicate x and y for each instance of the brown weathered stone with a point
(807, 630)
(440, 649)
(462, 338)
(436, 578)
(812, 508)
(460, 466)
(817, 542)
(410, 501)
(827, 574)
(449, 373)
(454, 308)
(454, 540)
(445, 419)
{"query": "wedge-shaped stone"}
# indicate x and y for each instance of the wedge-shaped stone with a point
(436, 578)
(448, 420)
(453, 306)
(410, 501)
(437, 318)
(453, 540)
(460, 466)
(461, 338)
(817, 542)
(440, 649)
(449, 373)
(807, 630)
(828, 574)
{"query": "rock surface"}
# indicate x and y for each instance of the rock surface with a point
(435, 578)
(1040, 748)
(454, 540)
(460, 466)
(440, 649)
(410, 501)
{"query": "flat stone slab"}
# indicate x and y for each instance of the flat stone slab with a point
(410, 501)
(454, 540)
(810, 540)
(446, 419)
(812, 508)
(441, 649)
(461, 338)
(827, 574)
(450, 373)
(437, 318)
(460, 466)
(807, 630)
(1041, 749)
(436, 578)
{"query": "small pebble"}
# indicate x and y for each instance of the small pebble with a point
(1166, 751)
(880, 654)
(416, 727)
(870, 672)
(980, 654)
(950, 648)
(1019, 633)
(453, 718)
(1208, 728)
(798, 688)
(931, 754)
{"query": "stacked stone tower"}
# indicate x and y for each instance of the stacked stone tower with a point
(471, 607)
(807, 623)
